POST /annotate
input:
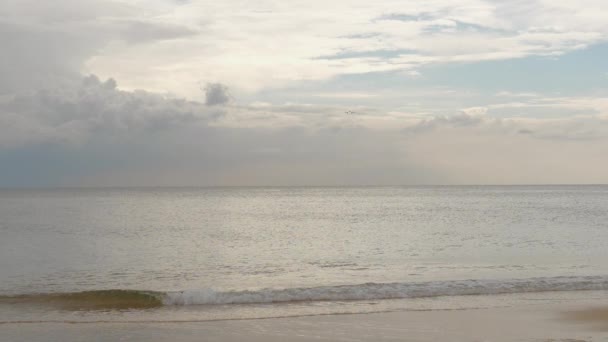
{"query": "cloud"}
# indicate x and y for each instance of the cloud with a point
(35, 57)
(93, 133)
(406, 16)
(579, 129)
(476, 120)
(137, 32)
(45, 44)
(466, 118)
(91, 109)
(216, 94)
(352, 38)
(58, 127)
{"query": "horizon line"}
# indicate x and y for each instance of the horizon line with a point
(72, 187)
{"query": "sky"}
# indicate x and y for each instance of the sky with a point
(281, 93)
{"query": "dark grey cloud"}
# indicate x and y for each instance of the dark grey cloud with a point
(89, 132)
(91, 109)
(216, 94)
(95, 134)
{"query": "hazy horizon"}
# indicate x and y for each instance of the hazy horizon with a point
(193, 93)
(345, 186)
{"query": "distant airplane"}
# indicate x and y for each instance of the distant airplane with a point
(349, 112)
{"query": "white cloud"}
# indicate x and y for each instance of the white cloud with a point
(164, 47)
(264, 44)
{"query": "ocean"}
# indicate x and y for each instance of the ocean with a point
(201, 254)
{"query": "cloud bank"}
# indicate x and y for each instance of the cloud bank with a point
(105, 136)
(108, 94)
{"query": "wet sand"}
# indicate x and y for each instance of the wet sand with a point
(565, 321)
(595, 317)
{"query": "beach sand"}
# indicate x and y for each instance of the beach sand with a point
(597, 317)
(565, 321)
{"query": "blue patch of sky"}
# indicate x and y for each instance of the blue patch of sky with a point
(578, 73)
(575, 73)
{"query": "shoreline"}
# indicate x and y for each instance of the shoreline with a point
(575, 320)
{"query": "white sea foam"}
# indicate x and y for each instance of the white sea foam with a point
(370, 291)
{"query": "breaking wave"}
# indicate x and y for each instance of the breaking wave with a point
(371, 291)
(91, 300)
(122, 299)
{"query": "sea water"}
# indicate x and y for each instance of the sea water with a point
(189, 254)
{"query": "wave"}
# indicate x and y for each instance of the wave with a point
(124, 299)
(91, 300)
(375, 291)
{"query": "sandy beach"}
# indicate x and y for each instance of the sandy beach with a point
(565, 321)
(597, 317)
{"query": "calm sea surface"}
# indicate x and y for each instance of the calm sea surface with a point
(221, 253)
